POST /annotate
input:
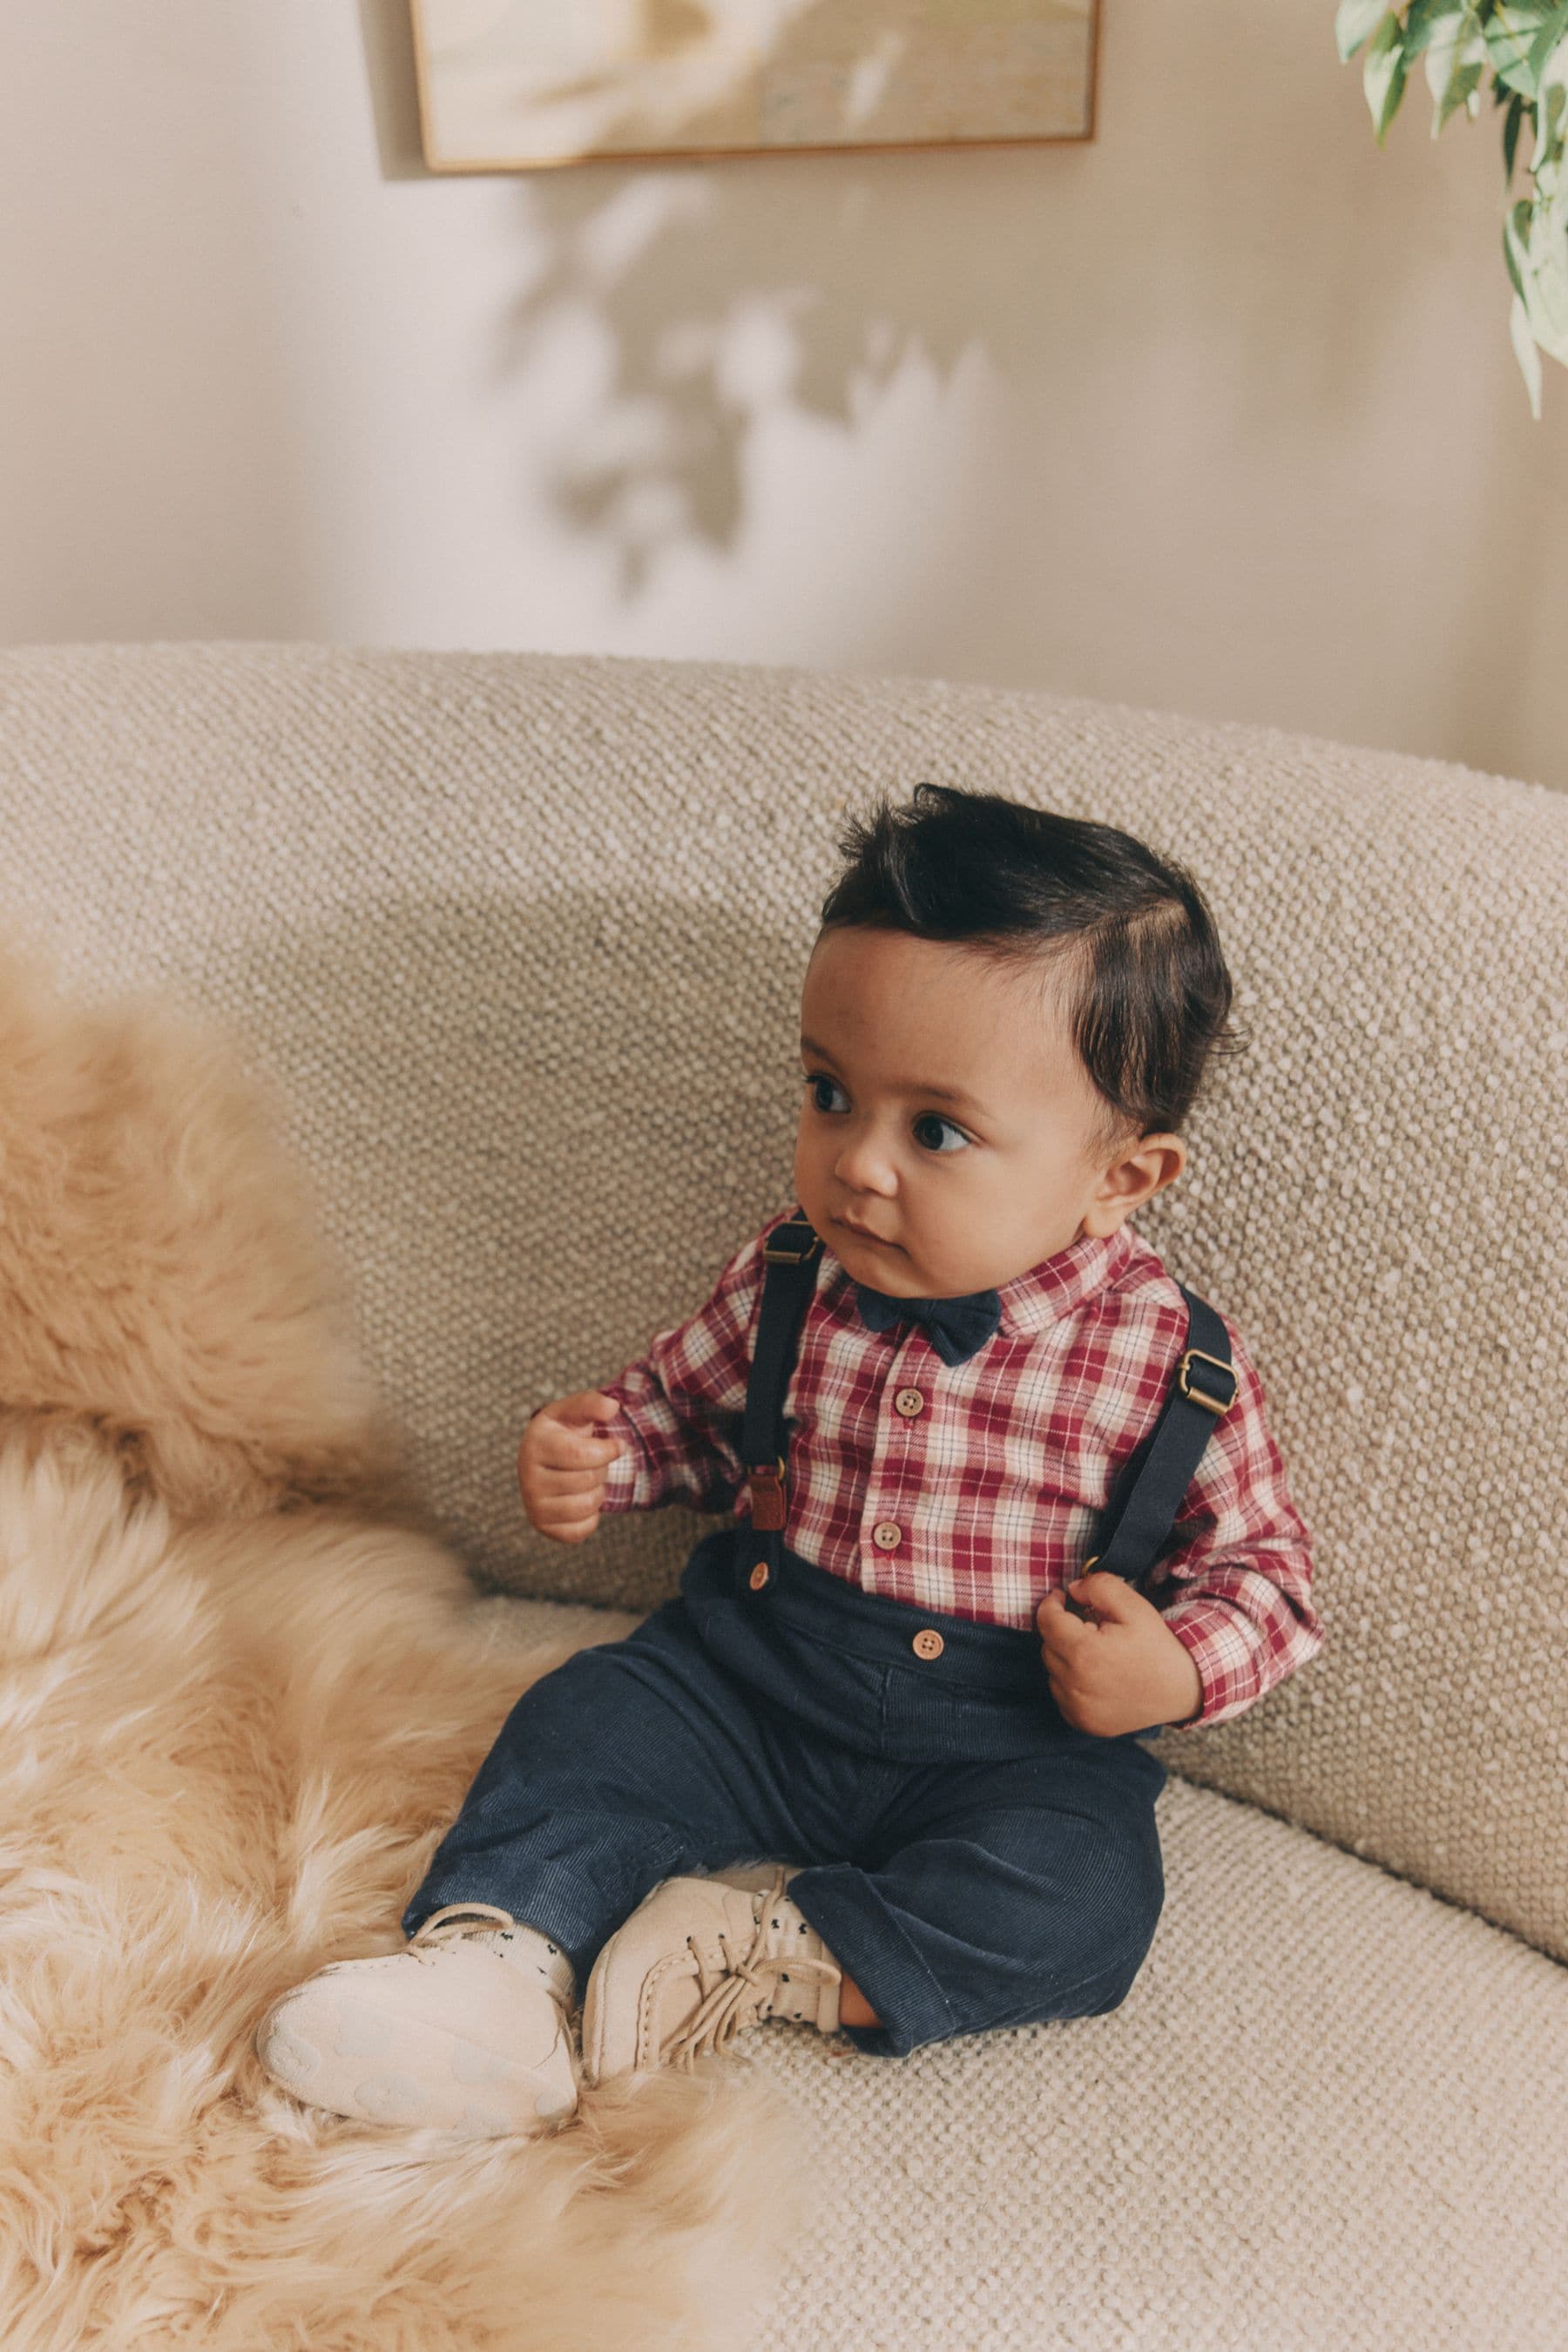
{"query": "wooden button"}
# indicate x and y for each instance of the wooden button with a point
(927, 1643)
(888, 1534)
(759, 1576)
(909, 1401)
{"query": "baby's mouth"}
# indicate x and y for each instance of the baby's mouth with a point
(862, 1235)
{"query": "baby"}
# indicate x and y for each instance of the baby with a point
(963, 1415)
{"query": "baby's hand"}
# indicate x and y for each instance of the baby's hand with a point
(1113, 1664)
(562, 1462)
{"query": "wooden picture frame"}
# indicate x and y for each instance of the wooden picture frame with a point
(535, 85)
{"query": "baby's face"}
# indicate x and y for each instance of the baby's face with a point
(947, 1115)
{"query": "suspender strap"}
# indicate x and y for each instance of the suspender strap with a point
(790, 1254)
(1148, 1490)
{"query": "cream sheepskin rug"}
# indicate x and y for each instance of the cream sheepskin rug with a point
(240, 1698)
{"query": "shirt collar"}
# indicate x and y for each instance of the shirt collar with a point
(1054, 1286)
(1057, 1284)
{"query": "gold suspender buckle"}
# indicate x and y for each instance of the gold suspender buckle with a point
(767, 1485)
(788, 1255)
(1196, 1396)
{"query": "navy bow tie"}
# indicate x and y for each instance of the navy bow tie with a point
(956, 1327)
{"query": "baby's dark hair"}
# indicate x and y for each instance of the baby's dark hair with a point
(1149, 994)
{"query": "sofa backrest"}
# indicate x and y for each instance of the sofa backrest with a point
(522, 936)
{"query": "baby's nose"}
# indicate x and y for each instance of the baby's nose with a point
(863, 1167)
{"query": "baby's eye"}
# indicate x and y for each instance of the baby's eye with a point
(815, 1078)
(934, 1119)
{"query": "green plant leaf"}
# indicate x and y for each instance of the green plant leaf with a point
(1536, 242)
(1512, 32)
(1552, 100)
(1526, 351)
(1449, 32)
(1463, 85)
(1427, 18)
(1355, 21)
(1382, 76)
(1518, 108)
(1546, 299)
(1551, 33)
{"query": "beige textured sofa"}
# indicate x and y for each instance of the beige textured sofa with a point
(522, 936)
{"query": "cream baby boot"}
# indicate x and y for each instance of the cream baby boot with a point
(697, 1960)
(467, 2029)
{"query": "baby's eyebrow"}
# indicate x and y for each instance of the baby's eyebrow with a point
(954, 1094)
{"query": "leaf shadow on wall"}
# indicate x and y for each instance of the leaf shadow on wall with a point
(714, 318)
(727, 290)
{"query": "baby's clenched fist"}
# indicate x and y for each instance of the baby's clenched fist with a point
(562, 1462)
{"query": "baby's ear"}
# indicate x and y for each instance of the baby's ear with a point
(1160, 1161)
(1176, 1146)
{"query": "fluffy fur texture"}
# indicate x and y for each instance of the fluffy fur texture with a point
(160, 1276)
(237, 1707)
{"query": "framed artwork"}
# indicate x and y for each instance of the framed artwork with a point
(525, 85)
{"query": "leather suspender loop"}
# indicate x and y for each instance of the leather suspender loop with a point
(790, 1254)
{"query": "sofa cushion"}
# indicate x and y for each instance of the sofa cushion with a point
(1327, 2118)
(523, 935)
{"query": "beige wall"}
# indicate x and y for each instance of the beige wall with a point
(1217, 414)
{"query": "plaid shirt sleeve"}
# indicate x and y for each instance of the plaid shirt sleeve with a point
(682, 1402)
(1240, 1563)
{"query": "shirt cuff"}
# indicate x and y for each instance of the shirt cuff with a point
(1193, 1640)
(1224, 1650)
(631, 1483)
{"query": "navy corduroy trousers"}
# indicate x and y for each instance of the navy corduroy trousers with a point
(967, 1856)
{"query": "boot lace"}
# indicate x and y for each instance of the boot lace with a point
(733, 1993)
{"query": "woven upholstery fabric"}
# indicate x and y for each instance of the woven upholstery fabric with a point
(1382, 2173)
(522, 936)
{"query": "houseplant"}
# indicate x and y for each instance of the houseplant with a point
(1520, 48)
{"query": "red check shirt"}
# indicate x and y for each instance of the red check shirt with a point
(974, 1489)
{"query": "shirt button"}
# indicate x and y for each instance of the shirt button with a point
(909, 1401)
(888, 1534)
(927, 1643)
